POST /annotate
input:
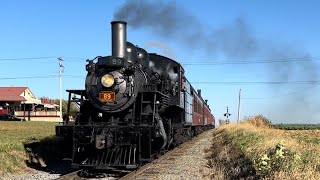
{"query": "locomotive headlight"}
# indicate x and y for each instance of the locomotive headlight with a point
(107, 80)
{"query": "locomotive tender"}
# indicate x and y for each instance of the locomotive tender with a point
(135, 106)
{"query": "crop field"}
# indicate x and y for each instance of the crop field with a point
(253, 150)
(13, 138)
(297, 126)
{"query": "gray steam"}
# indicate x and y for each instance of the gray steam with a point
(235, 41)
(153, 67)
(172, 75)
(165, 50)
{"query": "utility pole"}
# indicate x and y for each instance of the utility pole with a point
(239, 106)
(60, 87)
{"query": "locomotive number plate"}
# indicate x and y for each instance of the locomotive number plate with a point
(107, 96)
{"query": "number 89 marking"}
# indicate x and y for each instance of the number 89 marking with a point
(107, 96)
(116, 61)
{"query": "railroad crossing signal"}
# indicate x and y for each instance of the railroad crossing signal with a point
(227, 114)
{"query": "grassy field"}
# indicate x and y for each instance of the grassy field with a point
(253, 150)
(13, 137)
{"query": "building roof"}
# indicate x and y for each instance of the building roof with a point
(46, 105)
(12, 93)
(11, 98)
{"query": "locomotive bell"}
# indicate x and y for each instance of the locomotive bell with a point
(119, 38)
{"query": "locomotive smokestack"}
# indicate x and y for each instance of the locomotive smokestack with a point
(119, 38)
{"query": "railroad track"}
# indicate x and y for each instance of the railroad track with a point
(71, 176)
(152, 169)
(81, 175)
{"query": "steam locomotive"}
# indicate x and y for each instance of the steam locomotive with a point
(136, 106)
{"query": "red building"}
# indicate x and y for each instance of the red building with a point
(21, 102)
(11, 99)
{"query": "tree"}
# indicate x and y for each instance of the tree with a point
(222, 122)
(73, 107)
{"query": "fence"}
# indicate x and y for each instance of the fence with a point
(37, 113)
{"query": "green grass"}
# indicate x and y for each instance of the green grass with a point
(13, 136)
(242, 139)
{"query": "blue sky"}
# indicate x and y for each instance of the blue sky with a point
(78, 30)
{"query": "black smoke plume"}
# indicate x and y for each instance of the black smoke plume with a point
(235, 41)
(167, 20)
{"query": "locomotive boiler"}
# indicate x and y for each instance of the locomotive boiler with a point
(135, 106)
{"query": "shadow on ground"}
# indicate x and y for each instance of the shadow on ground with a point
(52, 155)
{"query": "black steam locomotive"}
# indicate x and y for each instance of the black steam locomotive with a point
(135, 106)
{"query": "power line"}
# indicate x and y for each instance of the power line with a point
(40, 58)
(26, 58)
(284, 95)
(75, 57)
(283, 60)
(75, 76)
(39, 77)
(257, 82)
(29, 77)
